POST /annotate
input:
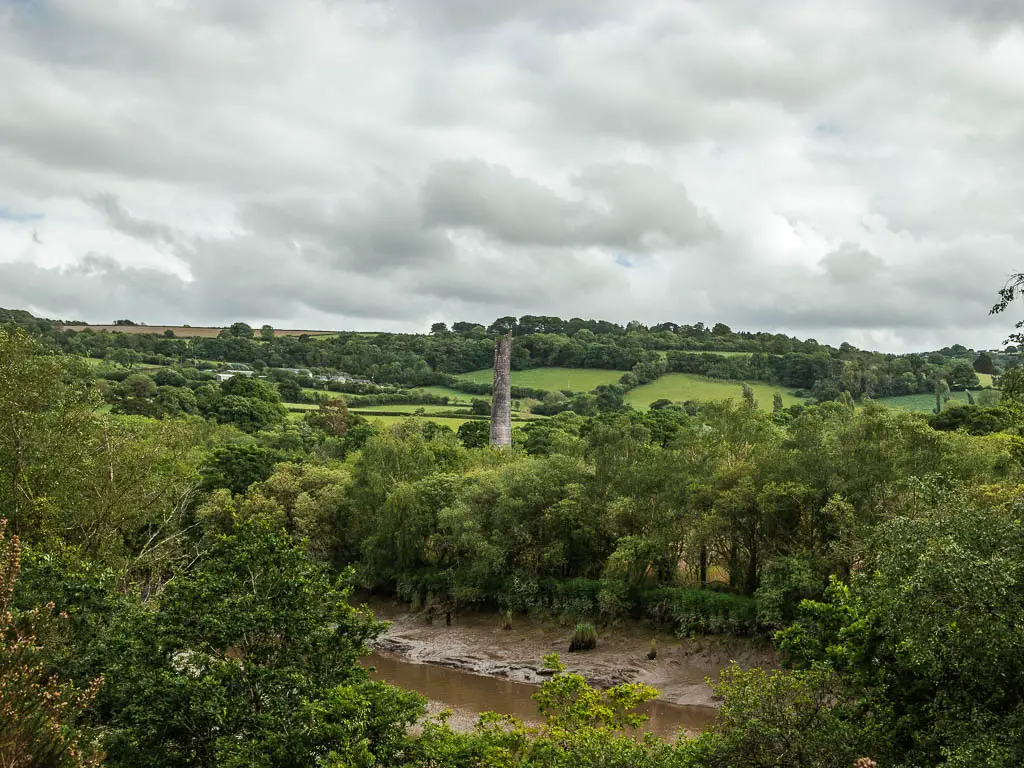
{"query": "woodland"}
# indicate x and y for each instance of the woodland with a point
(183, 558)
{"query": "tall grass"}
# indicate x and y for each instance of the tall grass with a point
(584, 638)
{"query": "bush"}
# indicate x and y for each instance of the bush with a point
(702, 611)
(576, 599)
(584, 638)
(785, 582)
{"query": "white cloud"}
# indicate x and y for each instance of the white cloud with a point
(843, 171)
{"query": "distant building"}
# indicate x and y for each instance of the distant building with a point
(225, 375)
(342, 377)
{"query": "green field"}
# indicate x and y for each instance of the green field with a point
(410, 408)
(985, 379)
(679, 387)
(389, 420)
(552, 379)
(95, 362)
(922, 403)
(453, 394)
(664, 352)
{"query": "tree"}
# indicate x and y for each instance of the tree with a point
(777, 718)
(38, 710)
(1011, 384)
(962, 376)
(480, 407)
(241, 331)
(251, 387)
(251, 658)
(44, 399)
(331, 416)
(1007, 294)
(267, 333)
(986, 363)
(503, 325)
(609, 398)
(921, 685)
(124, 357)
(249, 414)
(168, 377)
(474, 434)
(439, 329)
(237, 466)
(289, 389)
(942, 395)
(135, 396)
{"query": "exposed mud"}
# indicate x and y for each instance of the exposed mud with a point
(476, 643)
(465, 695)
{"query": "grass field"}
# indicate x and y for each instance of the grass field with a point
(923, 403)
(664, 352)
(985, 379)
(552, 379)
(389, 420)
(411, 408)
(455, 395)
(679, 387)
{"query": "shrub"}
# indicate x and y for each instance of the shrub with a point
(785, 582)
(584, 638)
(702, 611)
(38, 710)
(576, 598)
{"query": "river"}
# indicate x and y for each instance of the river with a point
(474, 666)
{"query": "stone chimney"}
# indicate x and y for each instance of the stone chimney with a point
(501, 396)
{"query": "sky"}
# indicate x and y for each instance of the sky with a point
(844, 171)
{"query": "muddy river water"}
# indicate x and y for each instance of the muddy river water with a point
(474, 666)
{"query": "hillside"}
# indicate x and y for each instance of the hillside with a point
(682, 387)
(634, 364)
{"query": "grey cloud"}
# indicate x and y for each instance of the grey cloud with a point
(850, 263)
(372, 235)
(628, 207)
(470, 16)
(123, 221)
(296, 159)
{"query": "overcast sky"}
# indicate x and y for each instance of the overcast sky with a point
(840, 170)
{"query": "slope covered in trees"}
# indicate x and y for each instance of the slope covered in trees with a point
(639, 353)
(186, 558)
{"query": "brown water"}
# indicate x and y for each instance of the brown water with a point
(468, 694)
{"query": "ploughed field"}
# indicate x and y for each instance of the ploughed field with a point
(183, 331)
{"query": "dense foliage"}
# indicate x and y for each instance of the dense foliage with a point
(186, 544)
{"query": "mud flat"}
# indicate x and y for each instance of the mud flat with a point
(474, 665)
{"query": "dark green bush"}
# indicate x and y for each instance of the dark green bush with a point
(584, 638)
(692, 611)
(576, 599)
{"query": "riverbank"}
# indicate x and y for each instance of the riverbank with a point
(476, 643)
